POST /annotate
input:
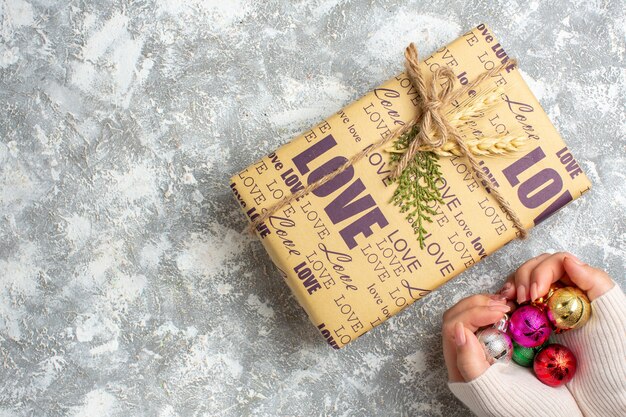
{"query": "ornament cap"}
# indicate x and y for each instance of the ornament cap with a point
(542, 301)
(502, 324)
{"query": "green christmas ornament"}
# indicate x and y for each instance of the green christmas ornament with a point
(524, 356)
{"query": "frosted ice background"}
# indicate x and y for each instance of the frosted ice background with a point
(127, 287)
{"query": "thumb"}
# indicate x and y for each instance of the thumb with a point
(470, 355)
(593, 281)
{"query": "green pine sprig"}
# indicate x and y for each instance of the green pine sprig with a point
(416, 186)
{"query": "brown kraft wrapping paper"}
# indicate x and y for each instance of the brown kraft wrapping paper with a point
(349, 256)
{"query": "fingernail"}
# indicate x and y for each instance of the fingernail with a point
(496, 297)
(459, 334)
(503, 308)
(505, 288)
(533, 291)
(521, 294)
(576, 260)
(496, 302)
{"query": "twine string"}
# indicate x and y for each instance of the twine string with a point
(434, 130)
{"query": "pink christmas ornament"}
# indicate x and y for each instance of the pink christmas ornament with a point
(529, 326)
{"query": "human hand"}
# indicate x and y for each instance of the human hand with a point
(464, 355)
(533, 279)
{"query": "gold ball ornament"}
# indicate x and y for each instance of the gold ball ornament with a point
(568, 308)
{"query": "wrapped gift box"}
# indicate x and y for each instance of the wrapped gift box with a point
(349, 256)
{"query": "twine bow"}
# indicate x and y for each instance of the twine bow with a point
(434, 130)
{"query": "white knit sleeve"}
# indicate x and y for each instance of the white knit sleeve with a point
(510, 390)
(599, 385)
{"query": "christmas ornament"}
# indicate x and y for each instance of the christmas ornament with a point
(496, 343)
(529, 326)
(555, 365)
(524, 356)
(568, 308)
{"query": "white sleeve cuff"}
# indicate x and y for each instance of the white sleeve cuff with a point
(511, 390)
